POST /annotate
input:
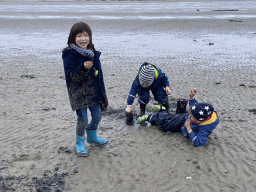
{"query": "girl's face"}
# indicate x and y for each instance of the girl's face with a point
(82, 40)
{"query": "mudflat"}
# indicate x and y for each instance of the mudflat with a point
(206, 45)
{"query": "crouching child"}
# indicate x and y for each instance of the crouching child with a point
(149, 78)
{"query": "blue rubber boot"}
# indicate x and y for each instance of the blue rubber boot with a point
(93, 138)
(80, 150)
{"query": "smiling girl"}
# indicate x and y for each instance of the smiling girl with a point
(84, 80)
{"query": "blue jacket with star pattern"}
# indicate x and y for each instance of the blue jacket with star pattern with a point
(200, 133)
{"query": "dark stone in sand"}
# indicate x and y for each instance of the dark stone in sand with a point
(242, 85)
(252, 86)
(56, 168)
(48, 109)
(11, 177)
(48, 183)
(3, 168)
(43, 189)
(47, 172)
(235, 20)
(58, 190)
(28, 76)
(34, 178)
(211, 43)
(20, 178)
(252, 111)
(64, 150)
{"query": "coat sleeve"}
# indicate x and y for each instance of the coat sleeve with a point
(164, 79)
(192, 102)
(133, 92)
(185, 131)
(77, 73)
(198, 139)
(97, 63)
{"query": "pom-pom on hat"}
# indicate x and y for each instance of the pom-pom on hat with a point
(147, 73)
(201, 111)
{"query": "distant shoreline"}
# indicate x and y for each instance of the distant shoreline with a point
(106, 1)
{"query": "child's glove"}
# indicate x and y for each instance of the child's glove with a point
(96, 73)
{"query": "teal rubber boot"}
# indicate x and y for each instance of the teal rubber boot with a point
(93, 138)
(80, 150)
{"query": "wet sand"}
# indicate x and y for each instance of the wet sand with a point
(213, 51)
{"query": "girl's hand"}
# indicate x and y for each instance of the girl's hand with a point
(88, 64)
(168, 90)
(192, 93)
(128, 109)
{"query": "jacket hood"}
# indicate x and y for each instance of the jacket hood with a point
(67, 51)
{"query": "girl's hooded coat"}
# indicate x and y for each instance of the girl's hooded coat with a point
(83, 90)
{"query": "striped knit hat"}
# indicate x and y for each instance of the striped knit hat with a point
(147, 73)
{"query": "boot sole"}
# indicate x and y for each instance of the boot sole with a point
(81, 154)
(97, 144)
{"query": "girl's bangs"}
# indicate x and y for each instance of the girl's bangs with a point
(80, 28)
